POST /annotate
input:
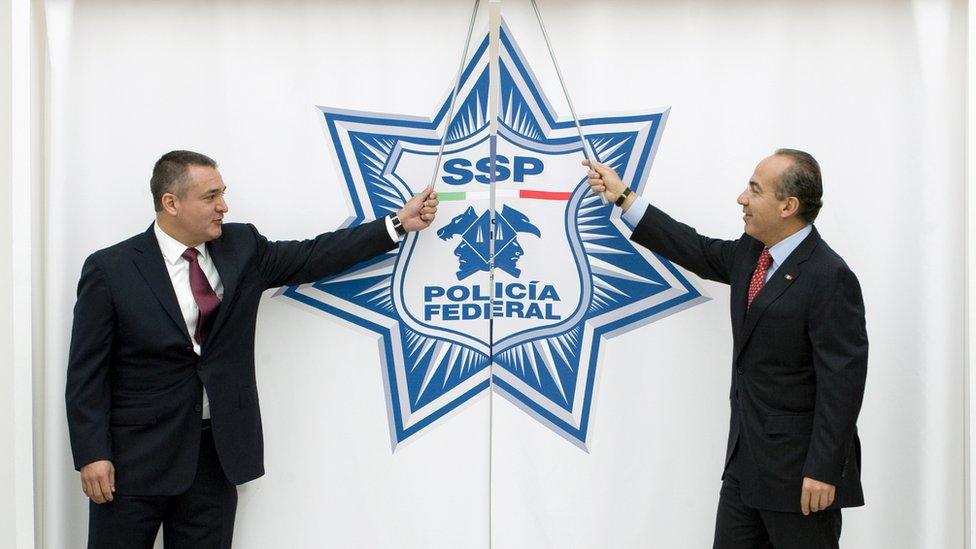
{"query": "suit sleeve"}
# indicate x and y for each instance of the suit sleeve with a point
(300, 262)
(87, 388)
(708, 258)
(840, 357)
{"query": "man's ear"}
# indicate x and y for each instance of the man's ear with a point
(169, 202)
(791, 206)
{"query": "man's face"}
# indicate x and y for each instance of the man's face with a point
(462, 252)
(200, 211)
(765, 215)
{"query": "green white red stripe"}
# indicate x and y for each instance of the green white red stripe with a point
(530, 194)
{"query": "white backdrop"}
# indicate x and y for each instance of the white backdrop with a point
(873, 89)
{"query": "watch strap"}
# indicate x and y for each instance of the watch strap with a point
(397, 225)
(623, 196)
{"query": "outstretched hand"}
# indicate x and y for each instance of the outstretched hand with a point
(603, 179)
(420, 211)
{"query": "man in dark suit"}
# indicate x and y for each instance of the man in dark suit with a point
(161, 399)
(799, 356)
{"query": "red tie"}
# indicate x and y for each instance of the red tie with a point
(203, 294)
(759, 275)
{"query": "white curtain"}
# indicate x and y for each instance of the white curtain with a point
(873, 89)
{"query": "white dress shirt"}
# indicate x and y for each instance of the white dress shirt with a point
(390, 230)
(179, 275)
(782, 249)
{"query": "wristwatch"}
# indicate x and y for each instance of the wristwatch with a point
(397, 225)
(623, 196)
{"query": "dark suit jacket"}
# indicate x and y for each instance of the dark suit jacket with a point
(135, 386)
(799, 362)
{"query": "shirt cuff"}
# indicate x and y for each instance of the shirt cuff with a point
(390, 230)
(635, 212)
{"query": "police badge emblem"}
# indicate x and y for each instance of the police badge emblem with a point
(565, 275)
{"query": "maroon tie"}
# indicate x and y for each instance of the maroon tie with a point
(203, 294)
(759, 275)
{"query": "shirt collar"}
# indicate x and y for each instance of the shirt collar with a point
(173, 249)
(782, 249)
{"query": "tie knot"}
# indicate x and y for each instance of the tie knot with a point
(765, 258)
(190, 254)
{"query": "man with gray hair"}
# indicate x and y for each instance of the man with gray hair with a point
(799, 356)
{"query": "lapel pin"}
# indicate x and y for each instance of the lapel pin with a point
(788, 277)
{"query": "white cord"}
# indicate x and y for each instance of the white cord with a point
(588, 152)
(454, 92)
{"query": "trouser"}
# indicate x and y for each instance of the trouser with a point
(202, 517)
(739, 526)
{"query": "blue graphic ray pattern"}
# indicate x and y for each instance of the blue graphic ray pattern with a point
(372, 156)
(471, 115)
(515, 112)
(437, 366)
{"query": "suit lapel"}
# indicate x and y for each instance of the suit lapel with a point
(229, 277)
(151, 265)
(785, 275)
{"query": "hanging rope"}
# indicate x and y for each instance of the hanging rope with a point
(494, 23)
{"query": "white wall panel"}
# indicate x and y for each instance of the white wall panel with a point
(872, 89)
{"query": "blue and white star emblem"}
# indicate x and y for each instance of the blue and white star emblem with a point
(566, 276)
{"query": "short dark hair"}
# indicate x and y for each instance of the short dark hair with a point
(170, 174)
(803, 181)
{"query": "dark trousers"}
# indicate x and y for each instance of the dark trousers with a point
(739, 526)
(201, 517)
